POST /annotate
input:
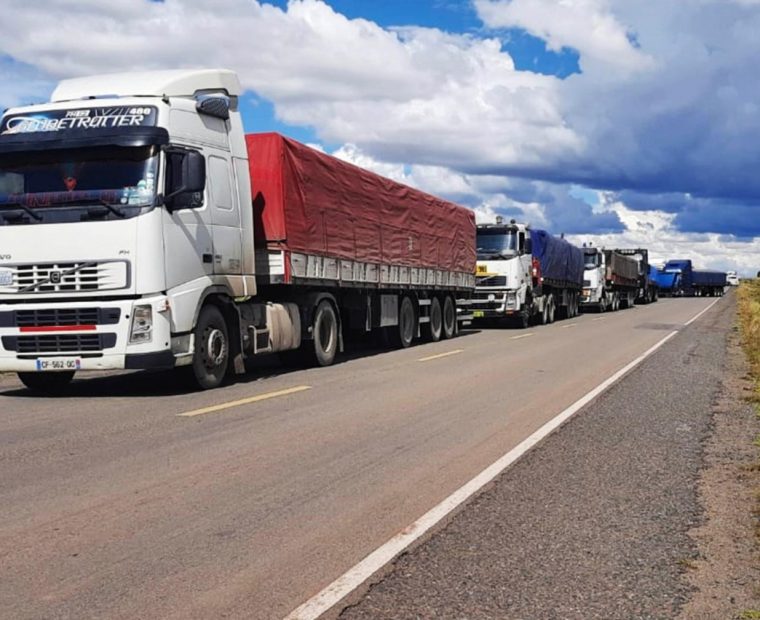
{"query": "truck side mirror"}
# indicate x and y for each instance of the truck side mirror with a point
(185, 179)
(216, 105)
(528, 246)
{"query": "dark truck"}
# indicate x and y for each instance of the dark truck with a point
(648, 289)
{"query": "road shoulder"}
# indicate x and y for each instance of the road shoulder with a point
(726, 573)
(595, 521)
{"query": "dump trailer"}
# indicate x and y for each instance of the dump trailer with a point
(678, 278)
(647, 291)
(140, 228)
(525, 275)
(708, 283)
(610, 279)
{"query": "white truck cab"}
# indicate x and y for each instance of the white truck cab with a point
(119, 211)
(503, 272)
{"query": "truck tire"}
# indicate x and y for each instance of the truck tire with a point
(211, 358)
(325, 332)
(434, 328)
(552, 311)
(403, 334)
(523, 319)
(449, 318)
(51, 383)
(543, 317)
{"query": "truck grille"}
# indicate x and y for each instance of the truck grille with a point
(492, 281)
(45, 317)
(66, 277)
(59, 343)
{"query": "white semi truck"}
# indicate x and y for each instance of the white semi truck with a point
(525, 275)
(610, 279)
(140, 228)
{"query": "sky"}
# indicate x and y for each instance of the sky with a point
(620, 122)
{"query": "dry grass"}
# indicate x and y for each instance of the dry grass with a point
(749, 323)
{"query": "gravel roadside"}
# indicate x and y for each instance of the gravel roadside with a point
(593, 523)
(726, 573)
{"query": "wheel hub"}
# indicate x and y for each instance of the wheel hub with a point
(216, 348)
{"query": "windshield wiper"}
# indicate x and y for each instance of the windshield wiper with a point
(111, 207)
(18, 205)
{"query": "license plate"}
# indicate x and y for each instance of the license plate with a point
(478, 314)
(58, 363)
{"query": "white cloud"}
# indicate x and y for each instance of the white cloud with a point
(589, 26)
(655, 231)
(667, 101)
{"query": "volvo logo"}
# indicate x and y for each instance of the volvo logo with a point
(55, 277)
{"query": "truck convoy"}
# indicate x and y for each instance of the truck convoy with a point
(141, 228)
(610, 279)
(525, 275)
(678, 278)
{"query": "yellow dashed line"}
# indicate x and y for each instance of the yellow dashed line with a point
(440, 355)
(528, 335)
(243, 401)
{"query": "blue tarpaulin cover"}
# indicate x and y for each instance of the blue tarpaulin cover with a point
(690, 277)
(560, 260)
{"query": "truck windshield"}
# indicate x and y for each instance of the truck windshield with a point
(591, 260)
(496, 244)
(96, 183)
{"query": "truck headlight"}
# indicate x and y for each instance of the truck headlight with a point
(142, 324)
(511, 300)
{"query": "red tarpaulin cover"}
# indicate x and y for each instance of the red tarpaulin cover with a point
(309, 202)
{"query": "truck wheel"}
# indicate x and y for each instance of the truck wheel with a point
(434, 328)
(522, 320)
(325, 332)
(212, 348)
(551, 312)
(403, 334)
(543, 318)
(449, 318)
(51, 383)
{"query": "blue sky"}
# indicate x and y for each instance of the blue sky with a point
(617, 121)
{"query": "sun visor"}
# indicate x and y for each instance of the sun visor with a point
(127, 126)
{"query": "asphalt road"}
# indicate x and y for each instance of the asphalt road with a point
(113, 504)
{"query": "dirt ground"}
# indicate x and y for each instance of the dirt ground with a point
(726, 573)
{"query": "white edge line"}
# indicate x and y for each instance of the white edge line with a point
(691, 320)
(359, 573)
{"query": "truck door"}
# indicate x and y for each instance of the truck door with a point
(225, 217)
(188, 244)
